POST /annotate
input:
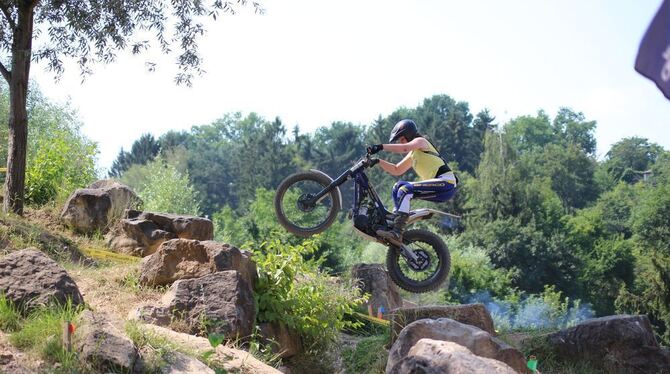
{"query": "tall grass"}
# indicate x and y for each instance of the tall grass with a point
(40, 332)
(10, 318)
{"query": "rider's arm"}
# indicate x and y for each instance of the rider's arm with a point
(397, 169)
(418, 143)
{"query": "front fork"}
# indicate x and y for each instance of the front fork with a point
(405, 252)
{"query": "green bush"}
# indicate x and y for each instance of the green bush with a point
(60, 158)
(472, 272)
(163, 188)
(368, 356)
(293, 291)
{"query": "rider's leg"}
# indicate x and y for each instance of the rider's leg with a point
(437, 190)
(402, 193)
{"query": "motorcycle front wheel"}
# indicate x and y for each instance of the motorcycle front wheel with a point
(431, 268)
(294, 207)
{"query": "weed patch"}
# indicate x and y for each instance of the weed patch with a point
(10, 318)
(368, 356)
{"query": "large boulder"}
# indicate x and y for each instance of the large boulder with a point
(616, 344)
(470, 314)
(478, 341)
(29, 278)
(97, 207)
(441, 357)
(141, 233)
(103, 347)
(374, 280)
(221, 303)
(186, 258)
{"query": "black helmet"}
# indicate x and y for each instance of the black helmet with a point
(406, 128)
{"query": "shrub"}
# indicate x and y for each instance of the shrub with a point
(163, 188)
(60, 160)
(293, 291)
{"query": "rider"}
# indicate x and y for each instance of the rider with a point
(437, 181)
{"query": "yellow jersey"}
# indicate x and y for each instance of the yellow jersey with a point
(426, 163)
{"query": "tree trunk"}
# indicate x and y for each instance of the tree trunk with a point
(18, 115)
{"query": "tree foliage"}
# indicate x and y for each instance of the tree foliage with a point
(543, 218)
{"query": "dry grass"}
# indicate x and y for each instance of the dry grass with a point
(113, 289)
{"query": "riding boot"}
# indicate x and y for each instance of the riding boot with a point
(396, 231)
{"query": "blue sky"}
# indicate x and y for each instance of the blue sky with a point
(315, 62)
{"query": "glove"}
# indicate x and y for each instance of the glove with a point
(372, 149)
(373, 162)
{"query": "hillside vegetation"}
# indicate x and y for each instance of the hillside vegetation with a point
(551, 234)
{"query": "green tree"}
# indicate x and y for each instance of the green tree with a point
(142, 151)
(572, 128)
(88, 33)
(59, 157)
(629, 157)
(650, 293)
(570, 169)
(526, 133)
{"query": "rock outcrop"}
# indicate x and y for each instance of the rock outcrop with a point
(478, 341)
(29, 278)
(470, 314)
(221, 302)
(186, 258)
(103, 347)
(616, 344)
(97, 207)
(441, 357)
(179, 363)
(374, 280)
(232, 360)
(141, 233)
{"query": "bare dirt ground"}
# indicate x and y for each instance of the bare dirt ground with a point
(113, 290)
(12, 361)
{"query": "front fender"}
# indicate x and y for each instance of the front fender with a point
(339, 193)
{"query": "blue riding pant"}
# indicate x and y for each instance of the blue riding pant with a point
(438, 190)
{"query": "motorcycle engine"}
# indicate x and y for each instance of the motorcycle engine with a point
(365, 218)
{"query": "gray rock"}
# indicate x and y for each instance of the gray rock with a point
(98, 207)
(102, 346)
(141, 233)
(221, 302)
(179, 363)
(441, 357)
(155, 315)
(29, 279)
(470, 314)
(617, 344)
(185, 258)
(478, 341)
(375, 281)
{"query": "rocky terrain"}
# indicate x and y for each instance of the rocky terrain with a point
(158, 292)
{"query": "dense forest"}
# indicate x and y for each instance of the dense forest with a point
(543, 217)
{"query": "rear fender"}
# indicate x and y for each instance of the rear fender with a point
(426, 213)
(339, 193)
